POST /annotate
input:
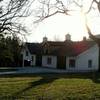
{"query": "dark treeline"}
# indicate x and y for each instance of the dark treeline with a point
(10, 51)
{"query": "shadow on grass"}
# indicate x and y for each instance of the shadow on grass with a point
(49, 78)
(95, 77)
(45, 79)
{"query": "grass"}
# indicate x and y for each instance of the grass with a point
(50, 87)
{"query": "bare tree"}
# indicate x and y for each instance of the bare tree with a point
(50, 8)
(10, 12)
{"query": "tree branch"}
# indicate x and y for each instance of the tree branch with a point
(97, 40)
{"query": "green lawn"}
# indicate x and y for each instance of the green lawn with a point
(50, 87)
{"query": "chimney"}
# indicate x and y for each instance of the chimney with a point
(84, 38)
(45, 39)
(68, 37)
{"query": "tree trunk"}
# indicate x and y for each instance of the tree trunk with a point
(99, 59)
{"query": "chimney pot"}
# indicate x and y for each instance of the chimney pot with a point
(45, 39)
(84, 38)
(67, 37)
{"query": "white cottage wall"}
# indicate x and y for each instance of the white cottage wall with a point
(82, 60)
(24, 55)
(90, 54)
(53, 61)
(29, 57)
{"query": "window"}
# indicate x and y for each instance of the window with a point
(46, 51)
(89, 63)
(32, 58)
(49, 60)
(72, 63)
(26, 53)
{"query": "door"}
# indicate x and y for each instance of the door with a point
(38, 60)
(27, 63)
(61, 62)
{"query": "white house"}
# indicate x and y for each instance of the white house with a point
(87, 60)
(31, 54)
(68, 55)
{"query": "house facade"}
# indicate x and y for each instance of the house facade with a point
(87, 60)
(68, 55)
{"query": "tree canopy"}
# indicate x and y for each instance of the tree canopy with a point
(10, 51)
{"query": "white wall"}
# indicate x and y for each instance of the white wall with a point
(33, 63)
(29, 57)
(53, 62)
(82, 59)
(24, 54)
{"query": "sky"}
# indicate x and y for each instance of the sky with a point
(56, 27)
